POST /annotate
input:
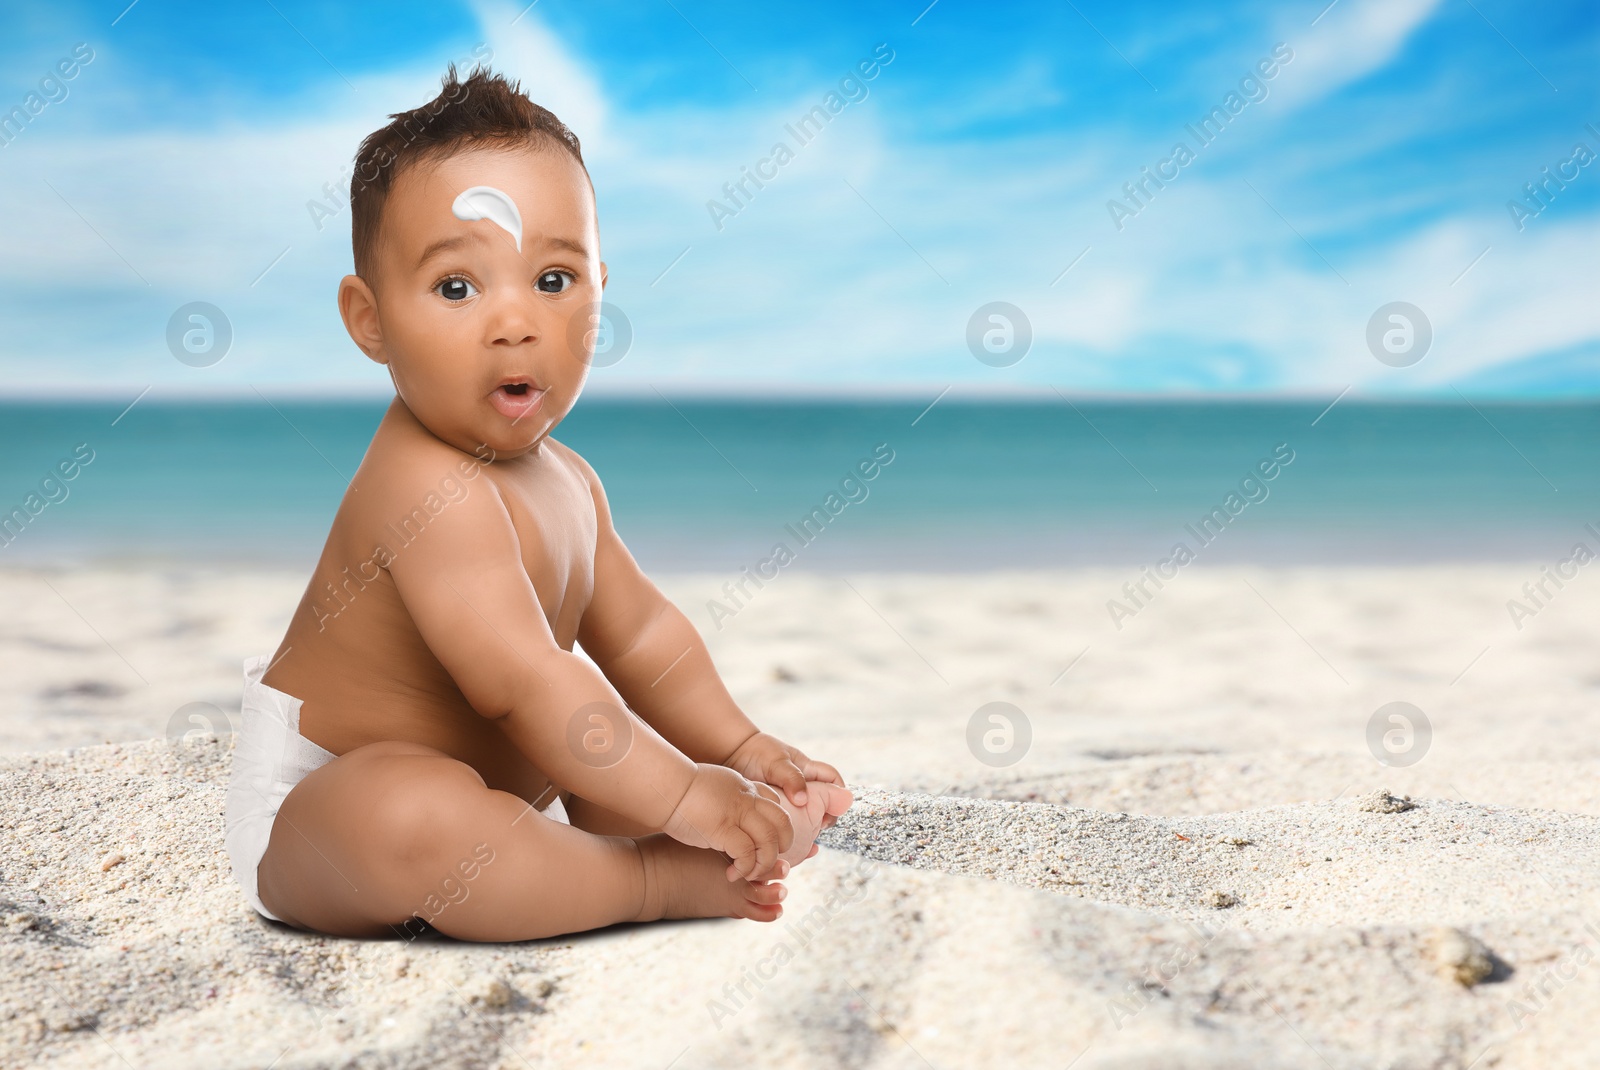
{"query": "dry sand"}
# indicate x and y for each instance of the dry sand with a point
(1196, 863)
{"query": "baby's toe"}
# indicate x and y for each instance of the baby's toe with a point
(762, 902)
(766, 893)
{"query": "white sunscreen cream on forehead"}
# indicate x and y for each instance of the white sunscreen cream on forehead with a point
(486, 202)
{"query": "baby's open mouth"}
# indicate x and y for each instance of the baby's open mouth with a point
(516, 398)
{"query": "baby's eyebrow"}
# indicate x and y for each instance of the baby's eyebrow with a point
(443, 245)
(456, 241)
(568, 244)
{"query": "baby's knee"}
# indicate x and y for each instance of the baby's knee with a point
(426, 809)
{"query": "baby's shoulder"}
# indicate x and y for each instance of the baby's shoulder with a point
(584, 472)
(573, 460)
(402, 471)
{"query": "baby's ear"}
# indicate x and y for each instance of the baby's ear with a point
(358, 307)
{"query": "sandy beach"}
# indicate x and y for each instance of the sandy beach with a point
(1181, 853)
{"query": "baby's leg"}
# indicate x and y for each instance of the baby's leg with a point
(395, 830)
(592, 817)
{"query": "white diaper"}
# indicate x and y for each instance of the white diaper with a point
(270, 757)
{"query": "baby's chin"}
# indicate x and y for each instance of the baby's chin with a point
(481, 431)
(496, 444)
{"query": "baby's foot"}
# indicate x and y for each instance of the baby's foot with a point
(691, 882)
(823, 800)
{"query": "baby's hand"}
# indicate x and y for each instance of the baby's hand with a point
(824, 801)
(725, 812)
(772, 761)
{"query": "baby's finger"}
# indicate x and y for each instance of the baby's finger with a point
(770, 813)
(749, 869)
(821, 771)
(742, 849)
(786, 775)
(771, 837)
(781, 824)
(780, 869)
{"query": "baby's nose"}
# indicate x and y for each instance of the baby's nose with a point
(515, 324)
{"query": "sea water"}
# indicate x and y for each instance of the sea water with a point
(721, 484)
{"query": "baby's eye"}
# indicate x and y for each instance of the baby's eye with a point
(455, 289)
(554, 282)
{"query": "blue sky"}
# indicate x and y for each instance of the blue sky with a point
(1374, 165)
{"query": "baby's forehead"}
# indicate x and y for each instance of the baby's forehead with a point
(528, 170)
(550, 190)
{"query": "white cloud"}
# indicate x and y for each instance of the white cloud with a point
(200, 215)
(1211, 264)
(1352, 40)
(525, 49)
(809, 283)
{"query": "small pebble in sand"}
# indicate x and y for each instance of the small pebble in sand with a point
(1221, 900)
(489, 991)
(1381, 802)
(1461, 957)
(115, 858)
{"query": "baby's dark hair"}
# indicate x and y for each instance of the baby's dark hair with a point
(486, 110)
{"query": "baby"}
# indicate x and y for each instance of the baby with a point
(428, 741)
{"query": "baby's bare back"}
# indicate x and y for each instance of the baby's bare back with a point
(353, 653)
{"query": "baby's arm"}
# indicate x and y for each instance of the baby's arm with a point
(659, 663)
(464, 585)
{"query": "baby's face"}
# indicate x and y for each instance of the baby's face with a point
(489, 344)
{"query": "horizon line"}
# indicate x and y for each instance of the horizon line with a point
(924, 392)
